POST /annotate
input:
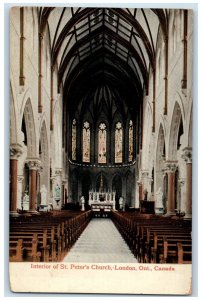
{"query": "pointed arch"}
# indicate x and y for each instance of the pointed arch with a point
(102, 143)
(119, 142)
(175, 126)
(86, 183)
(102, 179)
(117, 187)
(28, 115)
(86, 142)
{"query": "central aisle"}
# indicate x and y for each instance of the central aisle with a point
(101, 243)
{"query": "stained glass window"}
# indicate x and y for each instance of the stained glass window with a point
(130, 152)
(74, 139)
(86, 142)
(102, 142)
(118, 143)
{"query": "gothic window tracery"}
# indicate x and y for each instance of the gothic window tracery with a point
(130, 152)
(118, 143)
(74, 139)
(102, 142)
(86, 142)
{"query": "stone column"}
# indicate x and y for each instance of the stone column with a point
(170, 169)
(34, 166)
(187, 155)
(64, 181)
(53, 179)
(58, 174)
(15, 152)
(181, 182)
(146, 183)
(20, 179)
(140, 186)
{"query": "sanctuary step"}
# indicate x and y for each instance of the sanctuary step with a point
(100, 242)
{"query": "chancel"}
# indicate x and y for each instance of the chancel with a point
(101, 134)
(102, 201)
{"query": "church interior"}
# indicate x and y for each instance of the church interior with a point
(101, 133)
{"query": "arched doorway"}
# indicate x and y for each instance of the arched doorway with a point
(86, 187)
(129, 189)
(74, 187)
(117, 187)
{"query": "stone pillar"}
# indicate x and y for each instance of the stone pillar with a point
(63, 191)
(170, 169)
(53, 179)
(15, 152)
(19, 198)
(181, 182)
(34, 166)
(146, 183)
(187, 155)
(140, 191)
(58, 181)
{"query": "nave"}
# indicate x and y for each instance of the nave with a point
(100, 119)
(74, 236)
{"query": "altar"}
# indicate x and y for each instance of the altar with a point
(102, 202)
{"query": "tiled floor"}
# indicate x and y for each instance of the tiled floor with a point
(100, 242)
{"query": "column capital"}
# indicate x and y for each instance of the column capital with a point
(187, 155)
(139, 182)
(144, 173)
(34, 164)
(170, 166)
(20, 178)
(15, 151)
(181, 181)
(58, 172)
(53, 179)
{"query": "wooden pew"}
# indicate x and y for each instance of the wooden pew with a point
(53, 235)
(16, 250)
(139, 232)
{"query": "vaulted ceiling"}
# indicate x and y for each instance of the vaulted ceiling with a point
(95, 47)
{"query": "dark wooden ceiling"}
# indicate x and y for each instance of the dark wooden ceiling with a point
(93, 46)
